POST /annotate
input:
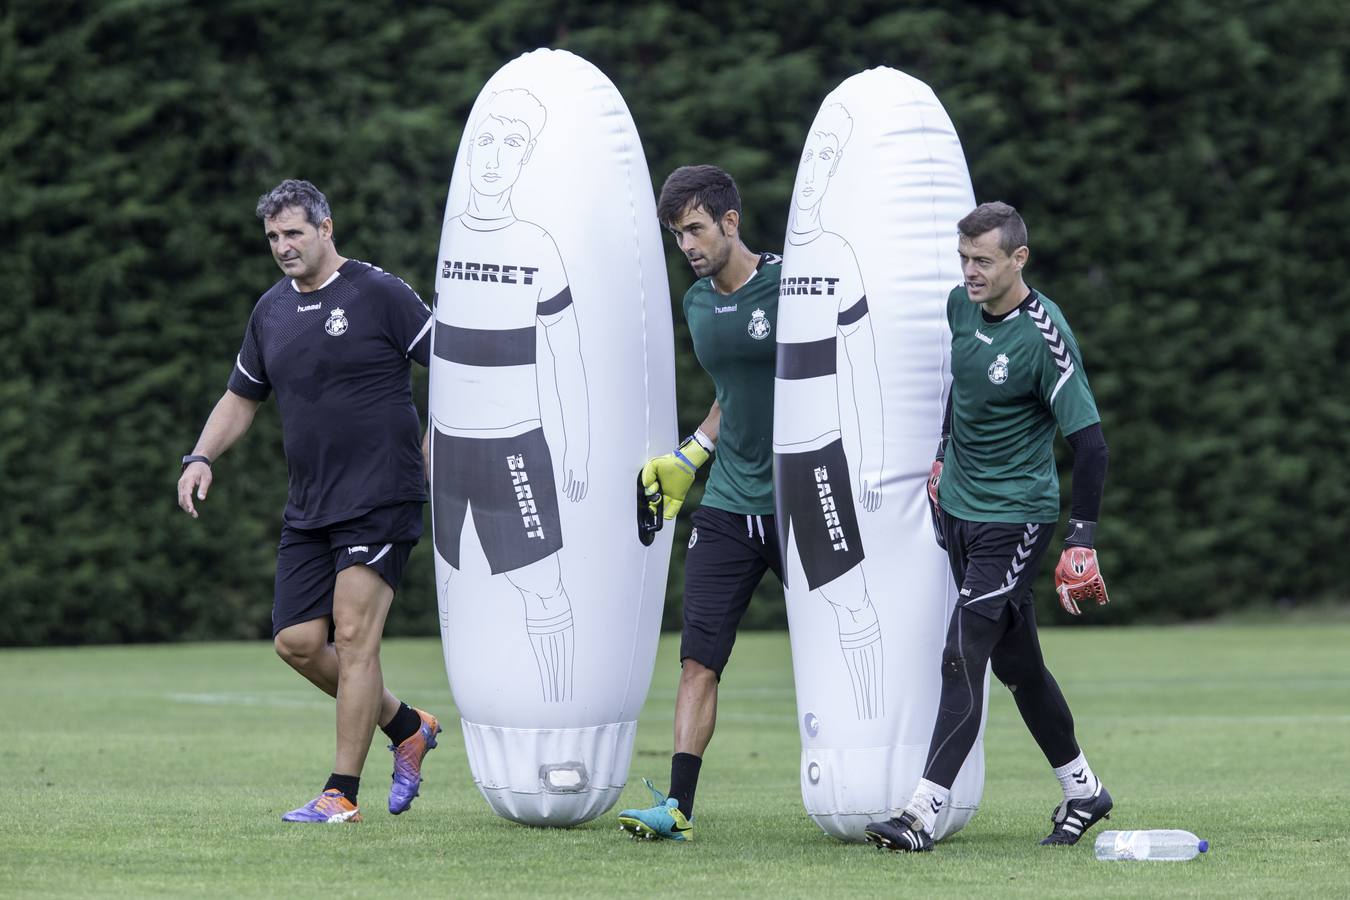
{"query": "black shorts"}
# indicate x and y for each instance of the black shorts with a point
(994, 563)
(815, 498)
(728, 555)
(309, 559)
(508, 484)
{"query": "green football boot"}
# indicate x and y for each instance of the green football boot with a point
(664, 820)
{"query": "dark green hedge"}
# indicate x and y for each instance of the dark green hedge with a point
(1182, 165)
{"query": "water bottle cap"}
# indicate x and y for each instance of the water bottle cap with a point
(1204, 846)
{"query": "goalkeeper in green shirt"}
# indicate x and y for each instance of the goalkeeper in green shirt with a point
(732, 311)
(1017, 377)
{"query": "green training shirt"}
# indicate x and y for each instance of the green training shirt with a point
(735, 343)
(1013, 381)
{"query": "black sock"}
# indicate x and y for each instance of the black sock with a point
(348, 784)
(403, 725)
(684, 780)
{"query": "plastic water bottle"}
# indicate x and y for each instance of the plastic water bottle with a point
(1165, 844)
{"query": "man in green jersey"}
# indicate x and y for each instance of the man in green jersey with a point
(731, 311)
(1017, 376)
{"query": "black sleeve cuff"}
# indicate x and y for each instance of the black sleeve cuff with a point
(1090, 456)
(1080, 533)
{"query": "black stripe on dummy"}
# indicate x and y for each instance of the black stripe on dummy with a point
(806, 360)
(485, 346)
(854, 312)
(556, 304)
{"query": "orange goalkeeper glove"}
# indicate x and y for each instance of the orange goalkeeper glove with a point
(1076, 577)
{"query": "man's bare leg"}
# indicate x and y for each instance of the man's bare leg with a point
(305, 648)
(695, 708)
(361, 601)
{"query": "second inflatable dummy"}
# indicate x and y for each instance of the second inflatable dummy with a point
(552, 381)
(862, 375)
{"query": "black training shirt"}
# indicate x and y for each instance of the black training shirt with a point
(338, 359)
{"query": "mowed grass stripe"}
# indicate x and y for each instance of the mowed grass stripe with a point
(162, 771)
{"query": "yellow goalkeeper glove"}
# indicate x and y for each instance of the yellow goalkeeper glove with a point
(667, 479)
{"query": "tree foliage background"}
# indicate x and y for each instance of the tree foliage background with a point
(1183, 167)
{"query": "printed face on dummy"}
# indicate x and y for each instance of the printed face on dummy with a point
(705, 243)
(993, 278)
(820, 160)
(500, 147)
(301, 250)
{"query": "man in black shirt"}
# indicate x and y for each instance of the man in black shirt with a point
(334, 338)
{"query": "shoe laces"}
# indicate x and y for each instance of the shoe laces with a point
(660, 798)
(331, 801)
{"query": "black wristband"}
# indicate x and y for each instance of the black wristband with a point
(1080, 533)
(196, 457)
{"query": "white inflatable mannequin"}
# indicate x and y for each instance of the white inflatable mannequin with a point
(863, 372)
(552, 381)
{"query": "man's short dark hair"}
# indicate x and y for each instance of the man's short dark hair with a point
(300, 194)
(691, 187)
(988, 216)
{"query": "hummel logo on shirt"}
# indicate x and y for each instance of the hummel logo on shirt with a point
(984, 337)
(724, 309)
(312, 306)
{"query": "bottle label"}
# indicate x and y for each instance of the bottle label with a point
(1127, 845)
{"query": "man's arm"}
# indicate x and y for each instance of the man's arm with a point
(666, 479)
(426, 454)
(935, 472)
(1077, 576)
(1090, 457)
(227, 423)
(564, 339)
(712, 423)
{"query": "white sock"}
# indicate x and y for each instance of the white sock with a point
(929, 800)
(1077, 779)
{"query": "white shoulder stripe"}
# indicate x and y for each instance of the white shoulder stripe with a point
(431, 320)
(1064, 377)
(238, 364)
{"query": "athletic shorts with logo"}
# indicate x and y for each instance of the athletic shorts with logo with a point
(509, 486)
(728, 556)
(815, 497)
(309, 559)
(994, 563)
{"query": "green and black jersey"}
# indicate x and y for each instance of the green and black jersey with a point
(1013, 381)
(734, 342)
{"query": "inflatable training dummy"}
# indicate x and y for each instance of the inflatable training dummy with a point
(862, 376)
(552, 381)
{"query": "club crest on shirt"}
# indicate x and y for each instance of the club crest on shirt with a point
(998, 369)
(758, 326)
(337, 322)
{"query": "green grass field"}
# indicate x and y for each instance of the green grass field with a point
(162, 771)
